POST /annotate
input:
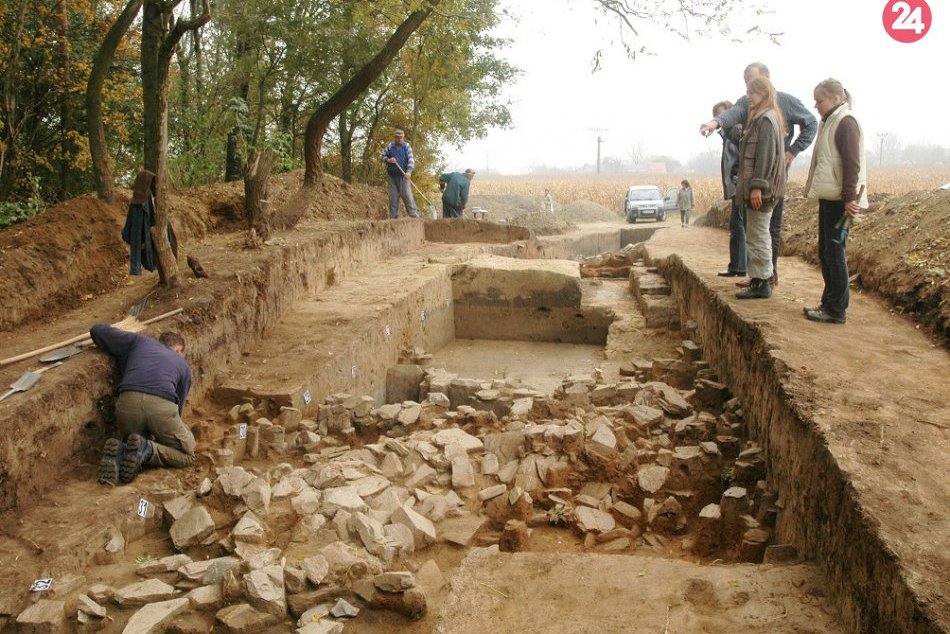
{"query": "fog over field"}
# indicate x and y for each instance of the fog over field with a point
(654, 105)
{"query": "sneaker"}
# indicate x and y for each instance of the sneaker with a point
(758, 289)
(824, 318)
(138, 452)
(112, 453)
(730, 274)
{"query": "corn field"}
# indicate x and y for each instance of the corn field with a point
(609, 190)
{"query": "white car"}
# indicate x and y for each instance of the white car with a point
(646, 201)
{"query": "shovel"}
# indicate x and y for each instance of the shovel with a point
(27, 381)
(65, 352)
(432, 212)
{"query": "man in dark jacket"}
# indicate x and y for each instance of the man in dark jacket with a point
(794, 113)
(455, 187)
(155, 383)
(729, 166)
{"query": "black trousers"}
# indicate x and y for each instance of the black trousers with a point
(834, 259)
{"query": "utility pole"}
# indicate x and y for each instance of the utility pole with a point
(599, 141)
(880, 152)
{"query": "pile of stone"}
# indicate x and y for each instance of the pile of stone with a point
(327, 527)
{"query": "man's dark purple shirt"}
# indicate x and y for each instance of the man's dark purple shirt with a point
(147, 365)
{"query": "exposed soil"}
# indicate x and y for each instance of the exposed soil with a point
(73, 251)
(899, 250)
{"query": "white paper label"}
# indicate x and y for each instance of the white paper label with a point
(306, 397)
(143, 507)
(242, 431)
(353, 372)
(42, 585)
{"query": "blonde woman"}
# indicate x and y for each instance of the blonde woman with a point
(838, 180)
(761, 181)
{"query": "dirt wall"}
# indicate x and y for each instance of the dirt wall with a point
(223, 316)
(820, 514)
(49, 263)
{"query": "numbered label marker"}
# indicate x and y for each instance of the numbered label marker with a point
(422, 316)
(42, 585)
(143, 507)
(242, 431)
(306, 397)
(388, 330)
(907, 21)
(353, 372)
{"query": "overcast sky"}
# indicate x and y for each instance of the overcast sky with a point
(661, 100)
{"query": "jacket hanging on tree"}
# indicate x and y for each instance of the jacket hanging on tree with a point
(138, 220)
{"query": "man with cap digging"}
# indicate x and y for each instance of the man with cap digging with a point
(455, 186)
(399, 165)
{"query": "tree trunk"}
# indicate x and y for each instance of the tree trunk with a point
(67, 146)
(255, 192)
(346, 146)
(101, 165)
(8, 149)
(233, 161)
(320, 120)
(160, 36)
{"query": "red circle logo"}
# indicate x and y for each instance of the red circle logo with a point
(907, 20)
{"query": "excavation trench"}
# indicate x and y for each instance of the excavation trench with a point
(469, 403)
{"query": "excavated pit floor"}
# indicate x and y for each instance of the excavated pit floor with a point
(540, 365)
(343, 338)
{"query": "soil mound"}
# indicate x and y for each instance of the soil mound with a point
(502, 206)
(901, 250)
(74, 250)
(543, 223)
(48, 264)
(586, 211)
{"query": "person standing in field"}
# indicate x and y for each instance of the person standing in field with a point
(547, 203)
(837, 178)
(455, 187)
(685, 202)
(794, 113)
(761, 181)
(729, 171)
(399, 165)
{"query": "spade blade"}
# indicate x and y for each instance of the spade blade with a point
(62, 353)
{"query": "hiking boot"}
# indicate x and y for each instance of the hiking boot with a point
(824, 318)
(138, 451)
(758, 289)
(112, 454)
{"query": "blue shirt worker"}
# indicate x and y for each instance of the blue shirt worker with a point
(399, 165)
(455, 187)
(155, 383)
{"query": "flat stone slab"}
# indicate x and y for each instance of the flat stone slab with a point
(153, 618)
(564, 593)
